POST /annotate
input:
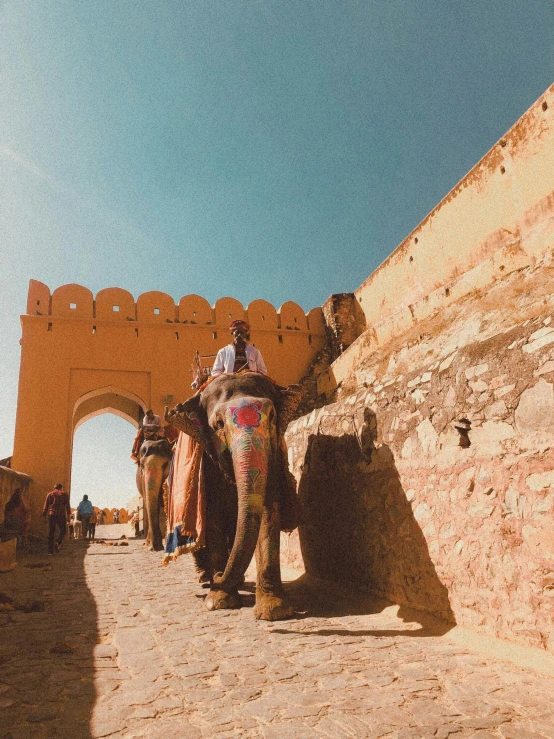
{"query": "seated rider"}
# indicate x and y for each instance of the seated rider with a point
(150, 426)
(240, 354)
(151, 423)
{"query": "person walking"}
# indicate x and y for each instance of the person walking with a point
(136, 522)
(92, 525)
(85, 511)
(57, 510)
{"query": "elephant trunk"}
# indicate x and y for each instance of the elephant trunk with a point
(248, 429)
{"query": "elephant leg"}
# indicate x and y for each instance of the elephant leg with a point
(154, 537)
(202, 565)
(271, 601)
(217, 540)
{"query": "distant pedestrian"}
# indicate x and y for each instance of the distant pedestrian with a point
(116, 516)
(136, 522)
(77, 525)
(57, 510)
(84, 512)
(101, 518)
(92, 525)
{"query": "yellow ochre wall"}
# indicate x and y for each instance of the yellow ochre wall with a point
(80, 356)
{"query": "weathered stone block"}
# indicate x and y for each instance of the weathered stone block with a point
(535, 410)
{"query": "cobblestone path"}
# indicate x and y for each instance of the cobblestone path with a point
(123, 648)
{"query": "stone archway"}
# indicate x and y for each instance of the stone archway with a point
(108, 399)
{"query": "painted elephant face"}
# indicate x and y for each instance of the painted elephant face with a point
(244, 438)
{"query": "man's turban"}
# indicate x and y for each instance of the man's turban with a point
(239, 324)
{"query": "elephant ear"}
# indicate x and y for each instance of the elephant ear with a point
(188, 417)
(288, 403)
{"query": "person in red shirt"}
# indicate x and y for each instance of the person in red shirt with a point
(58, 511)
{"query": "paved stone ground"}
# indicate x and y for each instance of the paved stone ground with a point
(123, 648)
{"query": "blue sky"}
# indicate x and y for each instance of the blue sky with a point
(248, 148)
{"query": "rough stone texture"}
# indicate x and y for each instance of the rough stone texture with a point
(392, 502)
(148, 661)
(344, 320)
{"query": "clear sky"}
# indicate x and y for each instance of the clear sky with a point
(250, 148)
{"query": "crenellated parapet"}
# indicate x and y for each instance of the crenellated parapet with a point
(117, 304)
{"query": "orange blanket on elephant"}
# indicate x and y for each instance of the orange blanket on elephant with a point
(186, 496)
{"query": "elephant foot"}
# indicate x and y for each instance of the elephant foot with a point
(218, 599)
(272, 608)
(155, 546)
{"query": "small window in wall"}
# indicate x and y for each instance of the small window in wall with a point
(177, 335)
(136, 332)
(310, 339)
(214, 334)
(49, 327)
(295, 320)
(230, 316)
(72, 306)
(156, 311)
(94, 329)
(263, 318)
(38, 302)
(280, 338)
(116, 308)
(194, 314)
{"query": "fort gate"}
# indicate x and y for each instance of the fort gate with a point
(82, 356)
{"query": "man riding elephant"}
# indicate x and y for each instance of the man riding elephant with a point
(239, 355)
(184, 480)
(234, 494)
(151, 424)
(154, 457)
(152, 451)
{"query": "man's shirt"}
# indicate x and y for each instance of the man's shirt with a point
(152, 421)
(85, 508)
(57, 504)
(225, 360)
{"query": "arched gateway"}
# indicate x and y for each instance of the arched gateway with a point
(83, 355)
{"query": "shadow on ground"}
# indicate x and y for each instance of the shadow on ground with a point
(314, 598)
(48, 623)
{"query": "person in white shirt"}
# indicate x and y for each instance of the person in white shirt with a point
(240, 354)
(151, 424)
(150, 421)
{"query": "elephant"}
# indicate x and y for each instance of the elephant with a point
(154, 458)
(239, 420)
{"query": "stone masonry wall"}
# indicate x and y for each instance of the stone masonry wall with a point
(392, 501)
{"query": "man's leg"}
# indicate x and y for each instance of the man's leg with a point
(62, 525)
(51, 533)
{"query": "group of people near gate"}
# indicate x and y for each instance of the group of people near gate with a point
(61, 520)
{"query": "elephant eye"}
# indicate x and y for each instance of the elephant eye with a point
(219, 424)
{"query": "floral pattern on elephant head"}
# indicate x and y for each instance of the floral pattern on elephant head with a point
(247, 415)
